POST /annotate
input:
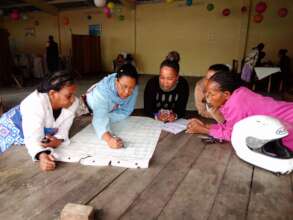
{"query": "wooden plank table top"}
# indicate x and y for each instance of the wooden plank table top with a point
(187, 179)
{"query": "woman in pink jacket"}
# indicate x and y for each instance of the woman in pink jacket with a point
(235, 102)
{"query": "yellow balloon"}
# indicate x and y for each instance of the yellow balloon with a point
(111, 5)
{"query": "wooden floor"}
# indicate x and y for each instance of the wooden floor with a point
(186, 180)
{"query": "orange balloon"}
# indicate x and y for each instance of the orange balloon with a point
(257, 18)
(66, 21)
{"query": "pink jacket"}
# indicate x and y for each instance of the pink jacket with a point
(243, 103)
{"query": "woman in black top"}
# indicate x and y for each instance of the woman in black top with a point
(165, 96)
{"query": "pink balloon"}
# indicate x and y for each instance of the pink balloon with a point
(107, 11)
(226, 12)
(15, 15)
(283, 12)
(260, 7)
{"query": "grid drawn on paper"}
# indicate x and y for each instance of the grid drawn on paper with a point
(139, 134)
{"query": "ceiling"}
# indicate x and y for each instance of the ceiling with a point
(23, 6)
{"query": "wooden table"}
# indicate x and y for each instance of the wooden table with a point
(186, 180)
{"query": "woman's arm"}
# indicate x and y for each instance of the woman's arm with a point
(124, 110)
(150, 98)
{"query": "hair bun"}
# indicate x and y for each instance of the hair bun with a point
(173, 56)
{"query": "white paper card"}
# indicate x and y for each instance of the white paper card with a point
(176, 126)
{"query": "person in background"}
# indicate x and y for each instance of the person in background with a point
(199, 94)
(52, 55)
(250, 61)
(166, 95)
(111, 100)
(235, 102)
(284, 63)
(42, 120)
(118, 62)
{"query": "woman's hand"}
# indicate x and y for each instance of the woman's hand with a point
(47, 162)
(166, 116)
(51, 141)
(112, 141)
(196, 126)
(115, 142)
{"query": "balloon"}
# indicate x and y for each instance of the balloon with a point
(226, 12)
(244, 9)
(100, 3)
(66, 21)
(260, 7)
(258, 18)
(188, 2)
(107, 12)
(283, 12)
(24, 17)
(210, 7)
(111, 5)
(15, 15)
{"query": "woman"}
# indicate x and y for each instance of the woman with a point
(235, 103)
(250, 61)
(111, 100)
(42, 120)
(165, 96)
(199, 94)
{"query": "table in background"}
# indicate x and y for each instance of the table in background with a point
(263, 72)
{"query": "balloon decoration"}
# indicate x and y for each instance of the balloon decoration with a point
(243, 9)
(210, 7)
(100, 3)
(15, 15)
(66, 21)
(226, 12)
(283, 12)
(260, 7)
(188, 2)
(107, 12)
(258, 18)
(111, 5)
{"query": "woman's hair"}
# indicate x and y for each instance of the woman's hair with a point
(55, 82)
(173, 56)
(219, 67)
(172, 64)
(227, 81)
(127, 70)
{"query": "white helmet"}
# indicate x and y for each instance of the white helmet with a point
(254, 132)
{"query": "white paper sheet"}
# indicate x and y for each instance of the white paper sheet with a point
(139, 134)
(176, 126)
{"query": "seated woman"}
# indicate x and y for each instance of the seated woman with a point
(235, 103)
(199, 94)
(111, 100)
(42, 120)
(165, 96)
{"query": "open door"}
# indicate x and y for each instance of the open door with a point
(86, 54)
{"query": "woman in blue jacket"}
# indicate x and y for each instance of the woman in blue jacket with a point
(111, 100)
